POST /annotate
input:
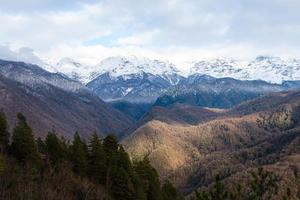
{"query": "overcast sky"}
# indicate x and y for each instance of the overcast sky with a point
(177, 30)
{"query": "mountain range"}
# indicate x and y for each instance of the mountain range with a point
(190, 145)
(142, 80)
(191, 128)
(54, 101)
(267, 68)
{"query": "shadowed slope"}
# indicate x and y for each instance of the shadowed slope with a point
(53, 101)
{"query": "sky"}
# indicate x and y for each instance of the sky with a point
(181, 31)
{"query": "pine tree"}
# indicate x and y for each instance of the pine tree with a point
(219, 192)
(111, 148)
(2, 165)
(149, 178)
(41, 146)
(4, 134)
(169, 192)
(263, 184)
(237, 192)
(23, 144)
(139, 189)
(119, 184)
(216, 192)
(97, 160)
(54, 149)
(79, 155)
(124, 160)
(202, 195)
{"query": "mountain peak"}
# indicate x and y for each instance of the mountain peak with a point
(118, 66)
(262, 58)
(269, 68)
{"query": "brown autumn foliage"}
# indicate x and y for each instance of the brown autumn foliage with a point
(262, 132)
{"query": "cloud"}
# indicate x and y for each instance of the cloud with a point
(24, 54)
(171, 29)
(144, 38)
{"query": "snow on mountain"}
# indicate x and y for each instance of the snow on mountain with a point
(34, 76)
(121, 66)
(219, 68)
(143, 80)
(115, 66)
(274, 69)
(270, 69)
(133, 79)
(71, 68)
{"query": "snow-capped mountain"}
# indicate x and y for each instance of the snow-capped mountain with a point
(126, 66)
(137, 88)
(219, 68)
(115, 66)
(133, 79)
(34, 76)
(143, 80)
(51, 100)
(72, 68)
(274, 69)
(270, 69)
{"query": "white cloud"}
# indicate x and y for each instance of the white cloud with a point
(139, 39)
(23, 54)
(177, 30)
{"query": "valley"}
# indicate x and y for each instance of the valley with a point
(149, 100)
(191, 129)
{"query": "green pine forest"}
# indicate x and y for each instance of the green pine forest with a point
(54, 168)
(100, 168)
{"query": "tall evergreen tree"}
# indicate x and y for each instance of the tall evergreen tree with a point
(4, 134)
(169, 192)
(124, 160)
(79, 155)
(111, 148)
(119, 184)
(263, 184)
(41, 146)
(149, 178)
(2, 164)
(23, 144)
(219, 192)
(97, 160)
(54, 148)
(202, 195)
(125, 163)
(139, 189)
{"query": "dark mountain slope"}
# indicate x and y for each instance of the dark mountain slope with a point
(135, 88)
(207, 91)
(53, 101)
(133, 110)
(182, 114)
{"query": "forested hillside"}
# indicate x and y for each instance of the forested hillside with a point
(230, 143)
(55, 168)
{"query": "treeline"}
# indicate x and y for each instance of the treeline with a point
(261, 185)
(55, 168)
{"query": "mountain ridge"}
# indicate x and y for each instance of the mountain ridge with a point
(276, 69)
(52, 101)
(191, 154)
